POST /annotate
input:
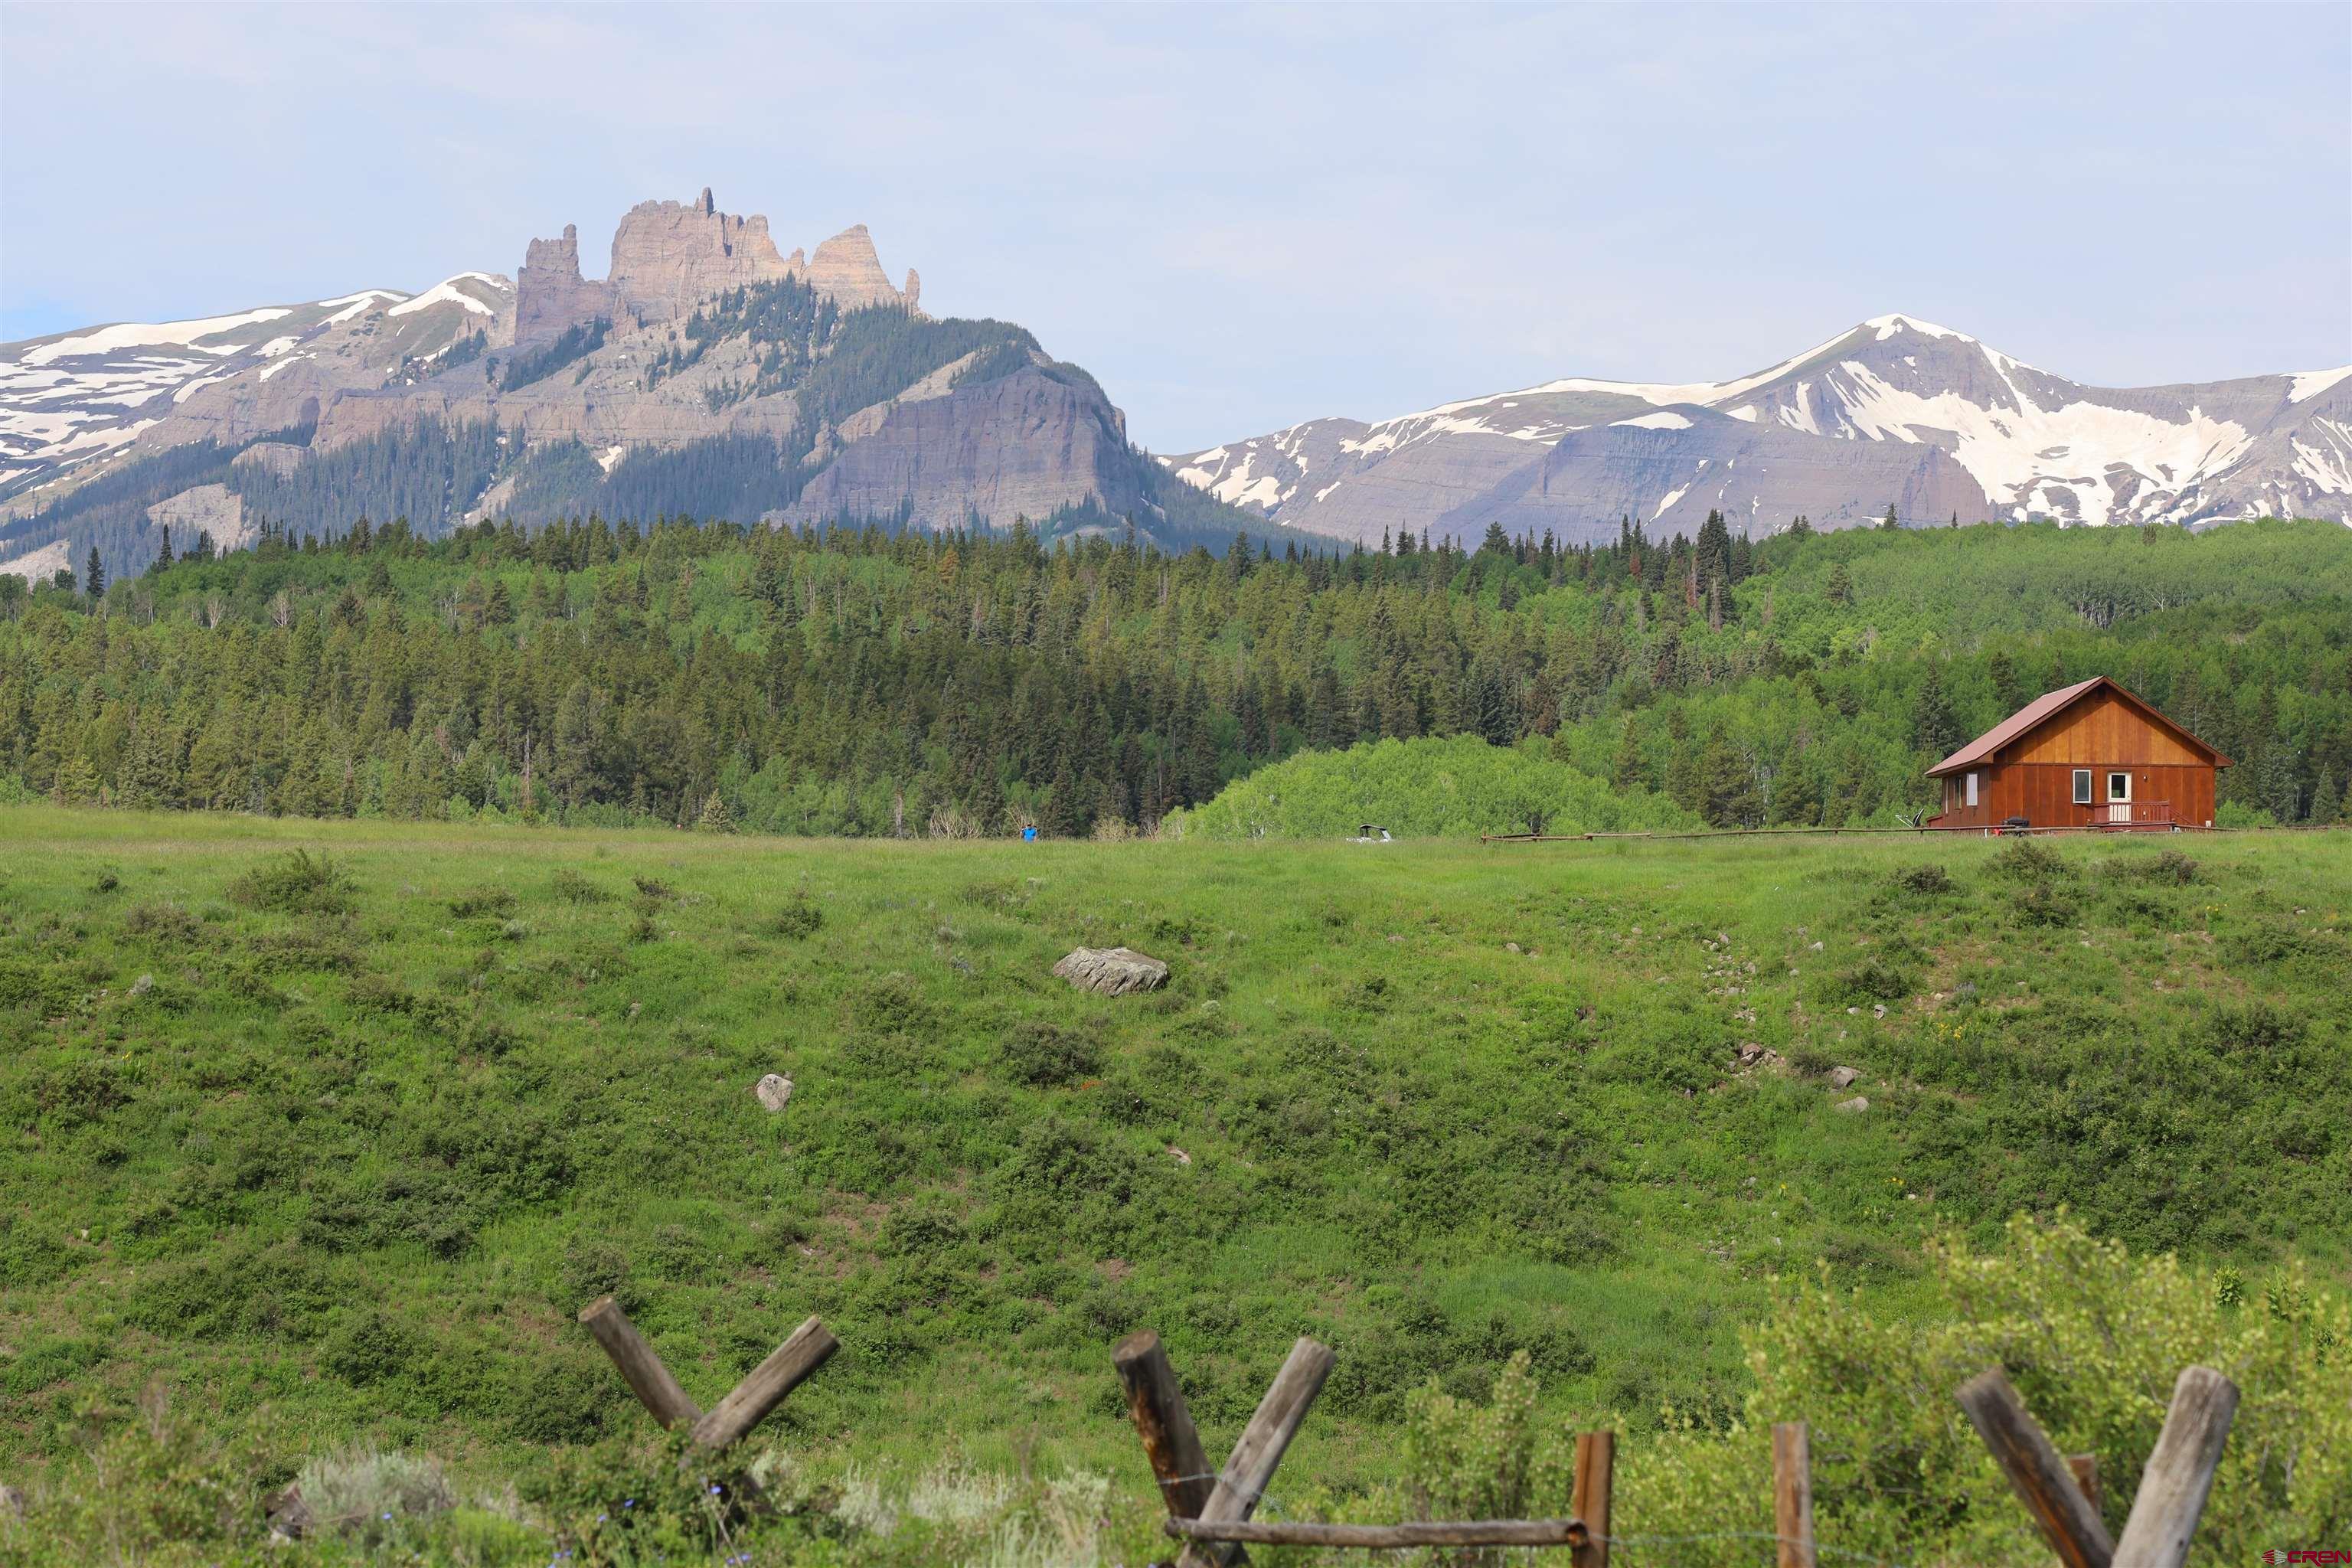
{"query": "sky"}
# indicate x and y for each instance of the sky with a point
(1240, 218)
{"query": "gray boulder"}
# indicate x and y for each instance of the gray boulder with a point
(774, 1092)
(1112, 970)
(1853, 1107)
(1843, 1078)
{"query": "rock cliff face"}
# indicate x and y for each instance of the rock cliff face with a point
(1021, 446)
(668, 256)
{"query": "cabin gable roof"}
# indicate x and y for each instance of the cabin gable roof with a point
(2048, 706)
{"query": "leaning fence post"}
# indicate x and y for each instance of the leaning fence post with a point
(1251, 1466)
(1792, 1493)
(1596, 1463)
(764, 1387)
(2180, 1473)
(2042, 1482)
(2085, 1469)
(1170, 1441)
(655, 1389)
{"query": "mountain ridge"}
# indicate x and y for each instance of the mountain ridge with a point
(1972, 430)
(706, 369)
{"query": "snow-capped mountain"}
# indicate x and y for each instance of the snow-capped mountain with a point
(77, 399)
(1895, 411)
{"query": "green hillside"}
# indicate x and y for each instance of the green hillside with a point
(329, 1150)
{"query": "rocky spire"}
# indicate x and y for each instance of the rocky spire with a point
(550, 293)
(846, 267)
(669, 257)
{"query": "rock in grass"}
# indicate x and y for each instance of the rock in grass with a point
(775, 1091)
(1843, 1078)
(1112, 970)
(143, 984)
(289, 1515)
(1853, 1107)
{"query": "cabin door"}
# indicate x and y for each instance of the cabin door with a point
(2119, 797)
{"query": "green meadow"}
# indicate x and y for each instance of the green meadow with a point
(321, 1134)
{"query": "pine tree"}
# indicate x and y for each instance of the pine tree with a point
(715, 817)
(1727, 781)
(2326, 800)
(1888, 524)
(94, 576)
(1933, 727)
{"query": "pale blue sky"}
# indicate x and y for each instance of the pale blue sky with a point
(1241, 217)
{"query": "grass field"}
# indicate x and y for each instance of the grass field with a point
(334, 1150)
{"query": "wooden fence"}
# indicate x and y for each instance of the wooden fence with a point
(1210, 1510)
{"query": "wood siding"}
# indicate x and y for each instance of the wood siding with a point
(2102, 731)
(2034, 776)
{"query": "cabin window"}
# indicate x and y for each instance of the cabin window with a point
(2082, 786)
(2119, 786)
(1972, 791)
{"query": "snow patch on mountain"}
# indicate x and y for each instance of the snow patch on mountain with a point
(137, 334)
(2011, 451)
(446, 292)
(2310, 384)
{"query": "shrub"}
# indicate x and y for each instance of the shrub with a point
(160, 1482)
(1924, 880)
(369, 1347)
(167, 924)
(2029, 860)
(1874, 979)
(295, 883)
(1044, 1056)
(799, 917)
(365, 1494)
(2047, 904)
(2094, 1337)
(482, 902)
(1465, 1461)
(572, 888)
(653, 889)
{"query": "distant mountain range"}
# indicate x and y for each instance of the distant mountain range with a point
(1896, 411)
(708, 373)
(711, 373)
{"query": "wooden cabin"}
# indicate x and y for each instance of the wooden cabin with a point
(2089, 755)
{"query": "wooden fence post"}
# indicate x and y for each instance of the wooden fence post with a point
(1252, 1465)
(1596, 1463)
(2180, 1473)
(2085, 1470)
(1792, 1493)
(2042, 1482)
(764, 1387)
(655, 1389)
(1157, 1406)
(789, 1366)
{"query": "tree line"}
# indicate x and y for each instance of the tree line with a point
(876, 681)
